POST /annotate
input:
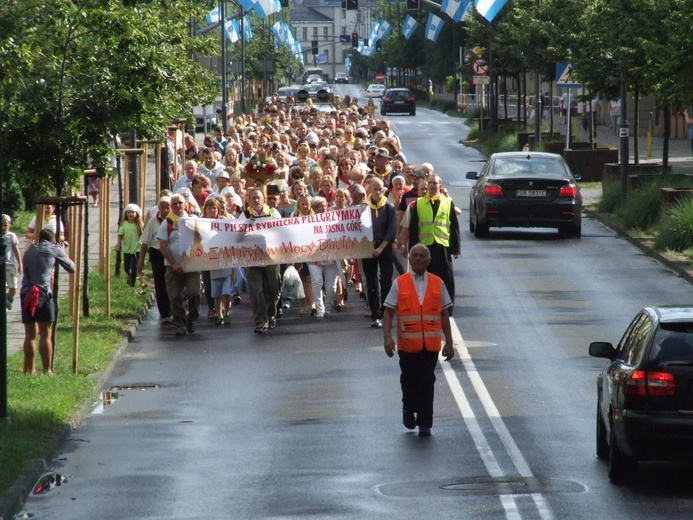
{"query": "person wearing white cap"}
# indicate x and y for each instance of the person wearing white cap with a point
(223, 180)
(129, 233)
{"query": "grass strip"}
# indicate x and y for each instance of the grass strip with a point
(39, 406)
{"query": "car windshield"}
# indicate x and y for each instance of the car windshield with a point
(673, 343)
(398, 94)
(522, 166)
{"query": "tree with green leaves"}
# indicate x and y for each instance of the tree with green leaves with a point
(75, 72)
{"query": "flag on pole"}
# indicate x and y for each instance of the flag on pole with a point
(280, 31)
(433, 26)
(263, 8)
(231, 31)
(247, 5)
(409, 26)
(248, 32)
(297, 51)
(383, 30)
(454, 8)
(214, 16)
(489, 8)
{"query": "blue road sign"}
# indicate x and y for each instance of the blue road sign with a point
(564, 76)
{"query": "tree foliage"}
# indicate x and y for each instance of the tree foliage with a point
(76, 72)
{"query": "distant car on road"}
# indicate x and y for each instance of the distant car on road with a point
(398, 100)
(375, 90)
(644, 393)
(284, 92)
(313, 78)
(525, 189)
(341, 77)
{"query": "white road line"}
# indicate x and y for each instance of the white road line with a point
(474, 428)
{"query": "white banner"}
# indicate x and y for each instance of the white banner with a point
(209, 244)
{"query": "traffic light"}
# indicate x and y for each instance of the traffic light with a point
(314, 46)
(352, 4)
(379, 46)
(413, 5)
(355, 39)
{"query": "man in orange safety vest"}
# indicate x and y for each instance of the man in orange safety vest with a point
(421, 303)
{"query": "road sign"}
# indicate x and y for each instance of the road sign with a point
(564, 76)
(481, 80)
(479, 67)
(380, 77)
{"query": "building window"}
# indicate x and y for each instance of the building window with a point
(343, 29)
(315, 33)
(325, 33)
(305, 34)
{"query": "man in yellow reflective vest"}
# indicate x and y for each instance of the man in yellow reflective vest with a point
(421, 302)
(434, 224)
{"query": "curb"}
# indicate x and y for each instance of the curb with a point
(679, 267)
(12, 501)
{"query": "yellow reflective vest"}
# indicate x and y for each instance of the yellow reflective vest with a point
(419, 325)
(434, 230)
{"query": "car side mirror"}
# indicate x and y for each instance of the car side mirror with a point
(472, 175)
(602, 349)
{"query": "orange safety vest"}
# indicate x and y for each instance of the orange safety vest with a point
(419, 326)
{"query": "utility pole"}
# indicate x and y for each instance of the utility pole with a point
(624, 153)
(242, 60)
(224, 65)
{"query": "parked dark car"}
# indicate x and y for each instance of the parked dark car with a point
(525, 189)
(645, 392)
(397, 101)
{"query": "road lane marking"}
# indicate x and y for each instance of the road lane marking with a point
(482, 445)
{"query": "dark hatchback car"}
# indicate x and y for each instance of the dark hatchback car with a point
(398, 101)
(525, 189)
(645, 392)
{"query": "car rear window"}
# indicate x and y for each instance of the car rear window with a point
(521, 166)
(673, 343)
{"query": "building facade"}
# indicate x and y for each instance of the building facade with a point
(331, 26)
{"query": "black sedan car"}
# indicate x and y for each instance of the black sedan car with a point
(525, 189)
(645, 392)
(397, 101)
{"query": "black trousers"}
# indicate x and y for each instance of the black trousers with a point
(441, 266)
(378, 287)
(418, 380)
(159, 272)
(207, 280)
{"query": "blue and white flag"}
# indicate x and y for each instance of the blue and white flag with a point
(280, 30)
(266, 7)
(489, 8)
(372, 35)
(433, 26)
(454, 8)
(409, 26)
(247, 31)
(231, 31)
(247, 5)
(383, 30)
(214, 16)
(297, 51)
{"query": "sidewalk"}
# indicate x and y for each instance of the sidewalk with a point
(680, 155)
(15, 329)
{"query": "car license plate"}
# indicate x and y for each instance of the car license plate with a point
(531, 193)
(399, 102)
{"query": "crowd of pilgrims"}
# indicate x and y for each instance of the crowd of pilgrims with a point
(304, 160)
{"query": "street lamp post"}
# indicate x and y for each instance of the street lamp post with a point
(224, 65)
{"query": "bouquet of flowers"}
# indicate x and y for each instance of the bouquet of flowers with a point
(261, 168)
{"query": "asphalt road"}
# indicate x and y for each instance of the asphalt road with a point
(305, 421)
